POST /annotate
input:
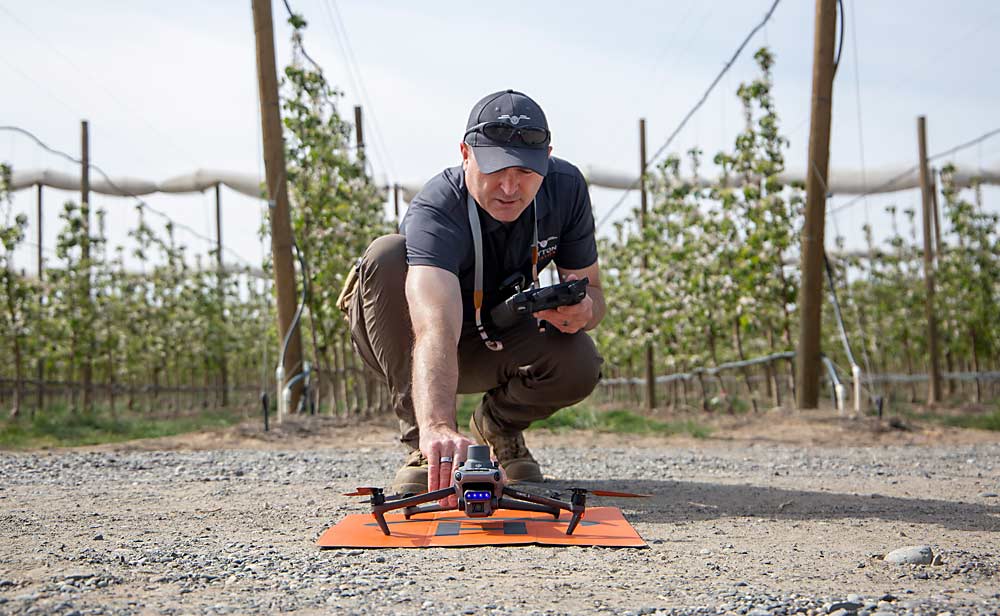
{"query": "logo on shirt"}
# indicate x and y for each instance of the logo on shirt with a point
(513, 119)
(547, 248)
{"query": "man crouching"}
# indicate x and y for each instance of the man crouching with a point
(474, 235)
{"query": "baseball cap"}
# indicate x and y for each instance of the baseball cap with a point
(518, 111)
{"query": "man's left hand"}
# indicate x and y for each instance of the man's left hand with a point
(569, 319)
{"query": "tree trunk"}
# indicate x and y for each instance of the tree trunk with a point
(975, 365)
(774, 387)
(950, 364)
(131, 394)
(738, 340)
(909, 366)
(331, 385)
(360, 380)
(633, 389)
(786, 323)
(111, 385)
(341, 367)
(684, 390)
(18, 377)
(704, 397)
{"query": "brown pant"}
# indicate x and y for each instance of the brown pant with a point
(536, 373)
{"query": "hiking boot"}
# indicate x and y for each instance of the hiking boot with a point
(411, 478)
(508, 447)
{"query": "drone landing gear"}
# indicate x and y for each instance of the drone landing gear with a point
(510, 499)
(578, 501)
(535, 502)
(409, 504)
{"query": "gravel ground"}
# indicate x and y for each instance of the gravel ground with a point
(733, 527)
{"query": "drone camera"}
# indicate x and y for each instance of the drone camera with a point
(477, 483)
(477, 499)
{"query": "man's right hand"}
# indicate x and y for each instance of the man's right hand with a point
(435, 301)
(442, 441)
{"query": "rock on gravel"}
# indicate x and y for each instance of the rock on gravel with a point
(911, 555)
(846, 606)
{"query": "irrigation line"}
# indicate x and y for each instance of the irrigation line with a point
(701, 101)
(686, 376)
(836, 310)
(923, 378)
(866, 379)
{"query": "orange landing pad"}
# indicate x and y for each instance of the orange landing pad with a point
(604, 526)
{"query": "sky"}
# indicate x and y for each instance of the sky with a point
(168, 88)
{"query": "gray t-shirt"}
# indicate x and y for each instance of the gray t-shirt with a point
(437, 232)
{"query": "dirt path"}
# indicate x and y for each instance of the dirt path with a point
(777, 514)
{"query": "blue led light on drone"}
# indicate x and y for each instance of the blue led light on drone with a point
(472, 495)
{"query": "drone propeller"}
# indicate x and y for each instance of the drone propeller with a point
(618, 494)
(366, 491)
(610, 493)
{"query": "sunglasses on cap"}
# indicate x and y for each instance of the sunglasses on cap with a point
(502, 132)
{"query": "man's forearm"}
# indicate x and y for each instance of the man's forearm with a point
(597, 296)
(435, 380)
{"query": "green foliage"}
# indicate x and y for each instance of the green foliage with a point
(59, 426)
(976, 418)
(337, 209)
(466, 406)
(885, 292)
(988, 421)
(620, 421)
(708, 266)
(14, 293)
(712, 275)
(969, 276)
(163, 326)
(586, 417)
(176, 324)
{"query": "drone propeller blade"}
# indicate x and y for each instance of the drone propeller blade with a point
(617, 494)
(361, 492)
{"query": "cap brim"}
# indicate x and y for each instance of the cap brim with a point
(493, 158)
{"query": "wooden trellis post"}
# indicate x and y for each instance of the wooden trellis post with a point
(934, 370)
(811, 290)
(650, 372)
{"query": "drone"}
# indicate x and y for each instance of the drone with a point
(481, 490)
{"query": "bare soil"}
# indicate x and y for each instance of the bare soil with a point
(782, 511)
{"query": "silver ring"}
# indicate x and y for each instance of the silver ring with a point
(447, 459)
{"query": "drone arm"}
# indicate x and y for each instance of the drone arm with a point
(551, 503)
(425, 508)
(576, 506)
(520, 505)
(408, 501)
(379, 510)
